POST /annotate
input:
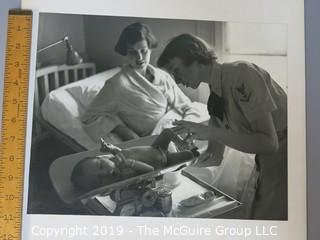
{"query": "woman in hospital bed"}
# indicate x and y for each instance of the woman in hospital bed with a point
(91, 173)
(133, 101)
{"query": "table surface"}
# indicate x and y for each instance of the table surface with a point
(185, 189)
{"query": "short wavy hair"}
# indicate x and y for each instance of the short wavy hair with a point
(188, 48)
(132, 34)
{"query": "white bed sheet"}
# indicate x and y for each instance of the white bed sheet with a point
(63, 107)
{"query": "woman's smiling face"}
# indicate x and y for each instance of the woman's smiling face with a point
(138, 55)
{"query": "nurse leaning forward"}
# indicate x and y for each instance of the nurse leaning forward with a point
(248, 112)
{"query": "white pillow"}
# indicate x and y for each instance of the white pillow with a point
(85, 90)
(63, 107)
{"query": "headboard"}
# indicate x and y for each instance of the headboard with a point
(52, 77)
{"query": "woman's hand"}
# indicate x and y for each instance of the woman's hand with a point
(195, 130)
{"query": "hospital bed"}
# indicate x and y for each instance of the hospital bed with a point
(61, 95)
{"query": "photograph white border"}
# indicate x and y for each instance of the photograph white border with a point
(290, 12)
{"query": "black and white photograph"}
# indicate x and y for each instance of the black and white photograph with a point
(159, 117)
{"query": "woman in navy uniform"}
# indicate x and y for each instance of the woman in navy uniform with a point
(248, 112)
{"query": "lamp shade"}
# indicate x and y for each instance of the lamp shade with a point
(72, 56)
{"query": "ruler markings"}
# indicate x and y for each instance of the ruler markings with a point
(14, 122)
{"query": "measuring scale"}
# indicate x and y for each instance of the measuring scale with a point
(14, 119)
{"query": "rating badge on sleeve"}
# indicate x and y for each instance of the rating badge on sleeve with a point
(244, 94)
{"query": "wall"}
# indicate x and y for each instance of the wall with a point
(102, 33)
(94, 37)
(53, 27)
(267, 47)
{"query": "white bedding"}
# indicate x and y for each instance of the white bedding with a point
(63, 107)
(167, 120)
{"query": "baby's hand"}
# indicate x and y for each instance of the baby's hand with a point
(103, 144)
(120, 160)
(108, 147)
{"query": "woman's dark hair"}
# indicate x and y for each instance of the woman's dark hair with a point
(132, 34)
(188, 48)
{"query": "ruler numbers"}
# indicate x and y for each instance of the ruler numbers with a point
(14, 115)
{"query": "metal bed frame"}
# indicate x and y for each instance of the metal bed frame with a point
(48, 79)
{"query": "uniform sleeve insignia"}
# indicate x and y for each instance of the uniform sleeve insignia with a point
(244, 94)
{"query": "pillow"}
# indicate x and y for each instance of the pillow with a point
(64, 115)
(63, 107)
(85, 90)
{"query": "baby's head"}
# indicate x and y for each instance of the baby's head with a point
(93, 172)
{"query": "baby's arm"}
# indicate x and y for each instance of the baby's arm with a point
(138, 166)
(123, 162)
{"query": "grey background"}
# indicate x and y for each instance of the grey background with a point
(312, 19)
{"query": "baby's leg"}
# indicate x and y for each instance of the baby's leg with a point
(163, 140)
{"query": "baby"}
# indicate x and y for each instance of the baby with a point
(94, 172)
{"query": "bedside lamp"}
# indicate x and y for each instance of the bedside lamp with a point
(72, 57)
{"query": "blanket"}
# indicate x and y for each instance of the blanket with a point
(129, 98)
(166, 121)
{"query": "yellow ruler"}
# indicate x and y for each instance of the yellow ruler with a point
(14, 117)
